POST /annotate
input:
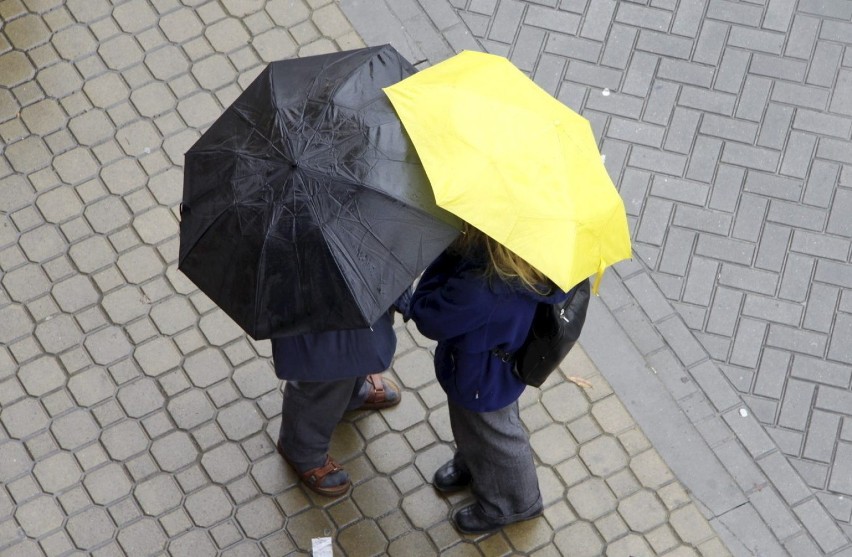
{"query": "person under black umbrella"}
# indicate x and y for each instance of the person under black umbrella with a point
(329, 374)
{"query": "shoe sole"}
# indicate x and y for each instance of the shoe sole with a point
(450, 489)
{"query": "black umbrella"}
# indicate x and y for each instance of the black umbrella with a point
(305, 207)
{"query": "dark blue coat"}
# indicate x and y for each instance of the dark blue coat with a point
(469, 316)
(335, 354)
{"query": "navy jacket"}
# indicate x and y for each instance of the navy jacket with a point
(469, 316)
(335, 354)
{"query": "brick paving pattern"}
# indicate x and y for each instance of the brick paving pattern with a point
(137, 419)
(728, 125)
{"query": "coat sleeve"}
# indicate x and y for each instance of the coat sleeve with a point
(446, 306)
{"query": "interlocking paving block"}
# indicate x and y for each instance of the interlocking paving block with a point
(553, 444)
(107, 345)
(91, 386)
(255, 378)
(16, 460)
(54, 473)
(140, 397)
(259, 517)
(173, 315)
(74, 429)
(240, 420)
(424, 508)
(157, 495)
(388, 453)
(579, 538)
(603, 456)
(23, 418)
(144, 537)
(591, 498)
(90, 528)
(107, 484)
(224, 463)
(15, 68)
(41, 375)
(42, 243)
(190, 409)
(39, 516)
(209, 506)
(642, 511)
(124, 440)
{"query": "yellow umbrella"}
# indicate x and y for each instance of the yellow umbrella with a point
(505, 156)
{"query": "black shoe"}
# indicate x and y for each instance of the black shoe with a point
(451, 477)
(469, 521)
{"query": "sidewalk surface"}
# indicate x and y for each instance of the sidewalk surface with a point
(137, 419)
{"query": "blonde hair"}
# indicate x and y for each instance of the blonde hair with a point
(502, 262)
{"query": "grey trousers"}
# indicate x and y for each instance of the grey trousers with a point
(310, 412)
(495, 447)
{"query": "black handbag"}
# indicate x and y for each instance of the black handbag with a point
(554, 331)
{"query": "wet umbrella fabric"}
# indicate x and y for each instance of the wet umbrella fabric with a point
(305, 207)
(513, 161)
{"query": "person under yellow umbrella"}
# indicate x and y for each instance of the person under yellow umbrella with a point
(505, 156)
(541, 215)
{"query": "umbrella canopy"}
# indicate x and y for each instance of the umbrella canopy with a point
(507, 157)
(305, 206)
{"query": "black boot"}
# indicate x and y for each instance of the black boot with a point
(452, 476)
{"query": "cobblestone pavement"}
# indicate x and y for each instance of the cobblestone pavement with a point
(137, 419)
(727, 125)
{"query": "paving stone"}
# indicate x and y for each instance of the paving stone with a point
(144, 537)
(240, 420)
(173, 315)
(273, 44)
(553, 444)
(224, 463)
(90, 528)
(690, 525)
(424, 508)
(591, 499)
(255, 378)
(91, 386)
(124, 440)
(209, 506)
(15, 68)
(107, 484)
(259, 518)
(39, 516)
(190, 409)
(15, 458)
(603, 456)
(157, 495)
(140, 397)
(56, 472)
(74, 429)
(194, 542)
(107, 345)
(642, 511)
(23, 418)
(581, 539)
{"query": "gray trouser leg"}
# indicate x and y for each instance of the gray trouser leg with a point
(495, 447)
(309, 414)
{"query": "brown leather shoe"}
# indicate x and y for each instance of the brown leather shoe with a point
(315, 477)
(384, 393)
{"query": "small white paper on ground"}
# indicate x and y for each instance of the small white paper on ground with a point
(321, 547)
